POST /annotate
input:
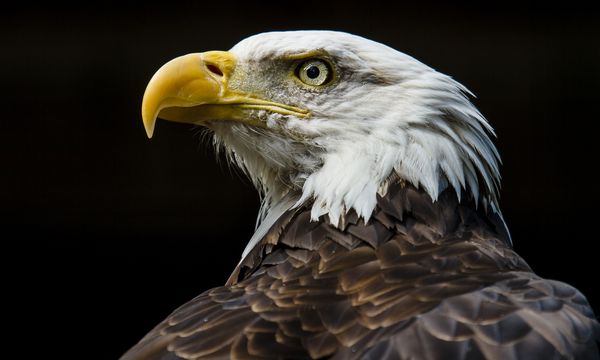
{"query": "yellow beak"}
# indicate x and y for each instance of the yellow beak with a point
(193, 89)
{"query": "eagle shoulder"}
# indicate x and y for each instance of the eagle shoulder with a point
(420, 280)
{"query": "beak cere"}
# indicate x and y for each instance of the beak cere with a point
(194, 89)
(184, 82)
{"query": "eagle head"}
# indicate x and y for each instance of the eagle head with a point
(329, 120)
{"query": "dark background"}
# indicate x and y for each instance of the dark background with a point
(105, 232)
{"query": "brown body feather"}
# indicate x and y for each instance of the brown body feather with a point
(420, 280)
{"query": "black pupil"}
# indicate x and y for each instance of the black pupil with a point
(313, 72)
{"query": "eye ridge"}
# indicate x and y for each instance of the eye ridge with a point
(314, 72)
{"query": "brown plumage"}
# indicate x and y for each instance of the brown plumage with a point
(420, 280)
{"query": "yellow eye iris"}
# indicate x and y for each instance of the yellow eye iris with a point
(314, 72)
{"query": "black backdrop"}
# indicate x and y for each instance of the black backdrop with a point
(113, 231)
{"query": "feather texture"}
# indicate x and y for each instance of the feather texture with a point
(427, 281)
(388, 116)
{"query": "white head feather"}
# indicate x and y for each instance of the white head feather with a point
(388, 118)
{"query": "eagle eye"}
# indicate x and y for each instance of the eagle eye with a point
(314, 72)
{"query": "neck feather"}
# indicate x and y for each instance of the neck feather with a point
(404, 212)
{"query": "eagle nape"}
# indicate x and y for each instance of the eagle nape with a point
(380, 233)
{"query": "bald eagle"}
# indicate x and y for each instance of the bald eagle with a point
(380, 235)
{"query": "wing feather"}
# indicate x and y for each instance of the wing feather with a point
(416, 282)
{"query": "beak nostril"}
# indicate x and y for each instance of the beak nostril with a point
(214, 69)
